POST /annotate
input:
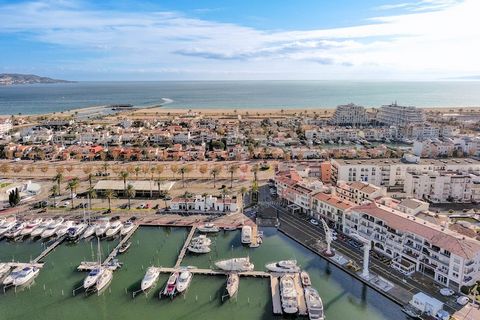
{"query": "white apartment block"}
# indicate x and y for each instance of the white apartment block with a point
(415, 245)
(209, 204)
(443, 186)
(359, 192)
(392, 172)
(330, 207)
(5, 125)
(349, 114)
(401, 116)
(423, 131)
(433, 148)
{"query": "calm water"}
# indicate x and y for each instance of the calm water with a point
(34, 99)
(51, 296)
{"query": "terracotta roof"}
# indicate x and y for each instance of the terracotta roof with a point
(446, 239)
(334, 201)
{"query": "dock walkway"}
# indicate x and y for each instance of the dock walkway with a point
(216, 272)
(124, 240)
(275, 287)
(49, 249)
(183, 251)
(302, 305)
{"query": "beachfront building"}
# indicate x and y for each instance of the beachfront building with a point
(443, 186)
(415, 245)
(349, 115)
(392, 172)
(400, 116)
(359, 192)
(205, 204)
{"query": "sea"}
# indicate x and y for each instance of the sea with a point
(55, 293)
(47, 98)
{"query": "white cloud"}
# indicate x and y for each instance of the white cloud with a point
(435, 38)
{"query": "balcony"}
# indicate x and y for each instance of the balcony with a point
(469, 263)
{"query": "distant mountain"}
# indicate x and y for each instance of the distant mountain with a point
(15, 78)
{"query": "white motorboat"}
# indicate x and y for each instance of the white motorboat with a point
(102, 227)
(92, 277)
(288, 294)
(124, 247)
(170, 287)
(289, 266)
(127, 227)
(25, 276)
(198, 247)
(37, 232)
(9, 279)
(75, 231)
(208, 228)
(150, 278)
(52, 228)
(4, 269)
(115, 228)
(233, 281)
(246, 234)
(305, 279)
(31, 225)
(104, 280)
(314, 304)
(184, 280)
(235, 264)
(89, 231)
(202, 239)
(7, 225)
(63, 228)
(16, 230)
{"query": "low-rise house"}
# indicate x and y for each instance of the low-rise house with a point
(208, 204)
(359, 192)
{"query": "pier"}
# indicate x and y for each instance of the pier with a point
(183, 251)
(49, 249)
(302, 305)
(213, 272)
(275, 288)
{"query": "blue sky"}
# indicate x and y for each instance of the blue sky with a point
(222, 40)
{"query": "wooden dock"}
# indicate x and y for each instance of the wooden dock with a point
(183, 251)
(124, 240)
(275, 288)
(213, 272)
(23, 264)
(49, 249)
(302, 305)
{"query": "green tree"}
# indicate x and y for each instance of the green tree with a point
(110, 194)
(214, 173)
(124, 176)
(130, 194)
(232, 170)
(54, 191)
(92, 194)
(58, 178)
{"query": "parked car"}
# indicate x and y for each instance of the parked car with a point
(314, 222)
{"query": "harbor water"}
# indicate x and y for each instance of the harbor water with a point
(50, 297)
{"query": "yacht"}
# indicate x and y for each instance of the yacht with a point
(25, 276)
(102, 227)
(9, 279)
(92, 277)
(246, 234)
(184, 281)
(235, 264)
(208, 228)
(89, 231)
(63, 228)
(314, 304)
(16, 230)
(31, 225)
(6, 226)
(198, 247)
(124, 247)
(37, 232)
(104, 280)
(283, 266)
(201, 239)
(171, 285)
(52, 228)
(233, 281)
(150, 278)
(4, 269)
(115, 228)
(127, 227)
(288, 294)
(305, 279)
(75, 231)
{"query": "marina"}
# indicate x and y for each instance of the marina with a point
(159, 247)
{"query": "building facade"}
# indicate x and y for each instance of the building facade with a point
(349, 115)
(401, 116)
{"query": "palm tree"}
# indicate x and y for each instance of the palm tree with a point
(110, 194)
(72, 185)
(205, 195)
(166, 194)
(232, 170)
(186, 195)
(105, 166)
(92, 194)
(58, 178)
(255, 170)
(137, 171)
(224, 193)
(243, 190)
(214, 173)
(159, 184)
(54, 191)
(124, 175)
(255, 192)
(130, 194)
(184, 170)
(90, 178)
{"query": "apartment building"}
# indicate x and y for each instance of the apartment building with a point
(392, 172)
(5, 125)
(349, 115)
(415, 245)
(432, 148)
(359, 192)
(443, 186)
(401, 116)
(209, 204)
(330, 207)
